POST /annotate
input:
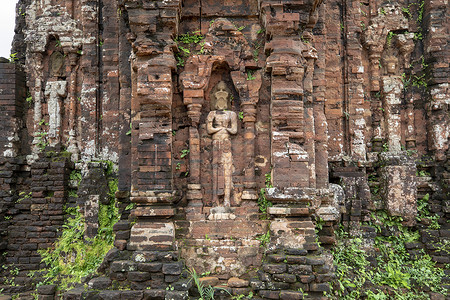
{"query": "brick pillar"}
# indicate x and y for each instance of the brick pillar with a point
(436, 49)
(354, 93)
(152, 65)
(12, 102)
(291, 64)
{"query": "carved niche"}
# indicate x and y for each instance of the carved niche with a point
(221, 105)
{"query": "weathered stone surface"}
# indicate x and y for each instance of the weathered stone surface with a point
(47, 289)
(172, 268)
(235, 282)
(209, 281)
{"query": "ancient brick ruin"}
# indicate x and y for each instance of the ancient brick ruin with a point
(329, 110)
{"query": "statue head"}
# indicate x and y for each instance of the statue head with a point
(390, 64)
(221, 94)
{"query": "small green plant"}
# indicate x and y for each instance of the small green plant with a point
(250, 75)
(13, 58)
(184, 153)
(389, 38)
(240, 28)
(406, 11)
(385, 147)
(264, 239)
(425, 214)
(263, 203)
(241, 115)
(178, 166)
(29, 100)
(73, 193)
(255, 55)
(422, 173)
(129, 131)
(382, 11)
(130, 206)
(41, 140)
(23, 196)
(58, 43)
(189, 42)
(363, 26)
(75, 175)
(242, 296)
(206, 292)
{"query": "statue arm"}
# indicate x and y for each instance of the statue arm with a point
(233, 128)
(209, 124)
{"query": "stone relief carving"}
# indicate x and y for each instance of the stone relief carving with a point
(55, 90)
(221, 124)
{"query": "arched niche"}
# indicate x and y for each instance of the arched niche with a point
(227, 58)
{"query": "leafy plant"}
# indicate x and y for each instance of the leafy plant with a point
(41, 140)
(184, 153)
(75, 175)
(264, 239)
(189, 41)
(73, 255)
(13, 58)
(241, 115)
(23, 196)
(250, 75)
(29, 99)
(206, 292)
(130, 206)
(129, 131)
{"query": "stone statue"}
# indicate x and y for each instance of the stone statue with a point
(221, 123)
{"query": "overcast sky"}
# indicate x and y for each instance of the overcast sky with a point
(7, 19)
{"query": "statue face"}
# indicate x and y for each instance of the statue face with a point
(221, 97)
(391, 67)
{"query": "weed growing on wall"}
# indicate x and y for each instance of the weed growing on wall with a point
(263, 203)
(73, 255)
(206, 292)
(187, 45)
(392, 273)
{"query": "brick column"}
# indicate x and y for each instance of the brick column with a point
(151, 117)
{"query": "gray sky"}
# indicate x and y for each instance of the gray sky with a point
(7, 22)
